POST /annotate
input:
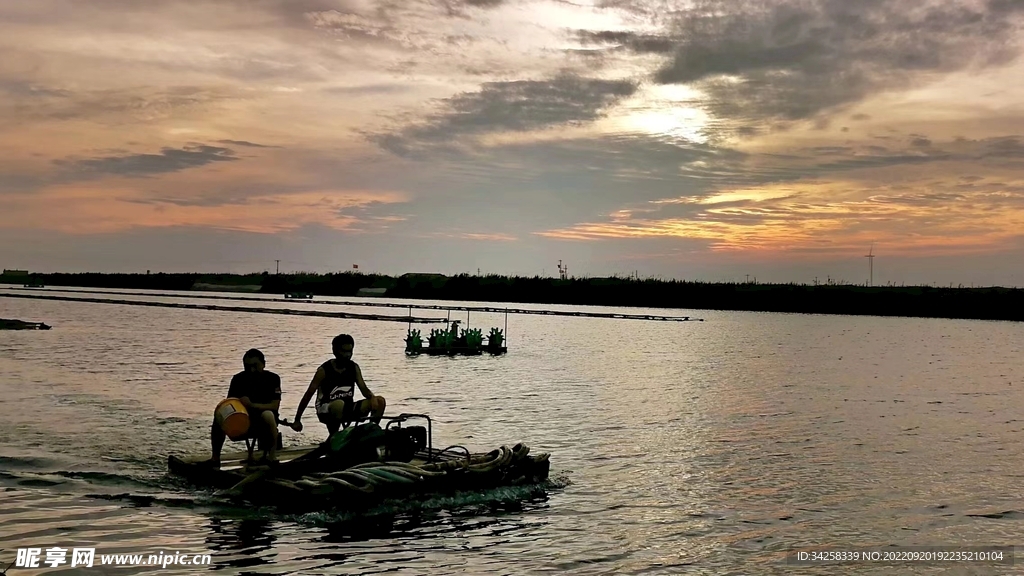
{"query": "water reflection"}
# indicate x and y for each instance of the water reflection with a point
(240, 543)
(359, 529)
(426, 538)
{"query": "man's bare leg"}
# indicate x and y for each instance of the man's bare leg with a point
(377, 406)
(373, 408)
(270, 421)
(216, 444)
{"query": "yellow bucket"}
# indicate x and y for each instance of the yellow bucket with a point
(232, 418)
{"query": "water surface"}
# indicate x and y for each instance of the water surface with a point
(703, 448)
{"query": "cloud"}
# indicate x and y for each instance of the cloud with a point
(365, 27)
(369, 89)
(168, 160)
(113, 106)
(244, 143)
(483, 3)
(170, 112)
(557, 184)
(12, 88)
(1004, 147)
(109, 207)
(628, 40)
(810, 217)
(515, 106)
(827, 200)
(792, 60)
(481, 236)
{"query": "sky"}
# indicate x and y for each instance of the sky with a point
(718, 141)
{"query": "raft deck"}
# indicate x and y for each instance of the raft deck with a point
(319, 483)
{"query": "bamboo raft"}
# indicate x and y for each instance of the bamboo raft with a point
(311, 479)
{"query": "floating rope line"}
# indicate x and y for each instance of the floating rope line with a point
(283, 311)
(492, 309)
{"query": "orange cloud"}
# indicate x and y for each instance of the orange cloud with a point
(489, 237)
(99, 208)
(494, 237)
(830, 218)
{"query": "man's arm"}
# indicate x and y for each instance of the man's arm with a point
(313, 385)
(362, 385)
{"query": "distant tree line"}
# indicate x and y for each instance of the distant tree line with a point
(992, 303)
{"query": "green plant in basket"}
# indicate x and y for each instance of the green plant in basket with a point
(473, 337)
(413, 341)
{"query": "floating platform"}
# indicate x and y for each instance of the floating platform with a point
(10, 324)
(313, 478)
(449, 342)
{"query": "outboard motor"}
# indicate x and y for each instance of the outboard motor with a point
(403, 443)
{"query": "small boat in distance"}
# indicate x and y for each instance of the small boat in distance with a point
(12, 324)
(298, 296)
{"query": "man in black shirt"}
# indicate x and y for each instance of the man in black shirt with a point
(260, 392)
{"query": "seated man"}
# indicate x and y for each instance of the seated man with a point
(334, 384)
(260, 392)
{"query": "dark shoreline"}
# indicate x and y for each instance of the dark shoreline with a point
(991, 303)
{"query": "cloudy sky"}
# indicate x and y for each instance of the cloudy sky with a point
(686, 139)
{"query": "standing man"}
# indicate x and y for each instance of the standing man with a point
(260, 392)
(334, 385)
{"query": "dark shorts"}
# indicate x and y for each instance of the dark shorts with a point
(348, 414)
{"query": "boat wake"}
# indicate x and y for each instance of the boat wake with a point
(500, 500)
(76, 480)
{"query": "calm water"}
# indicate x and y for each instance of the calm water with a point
(698, 448)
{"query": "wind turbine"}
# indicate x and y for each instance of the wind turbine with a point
(871, 265)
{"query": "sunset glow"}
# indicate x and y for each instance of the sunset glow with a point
(517, 133)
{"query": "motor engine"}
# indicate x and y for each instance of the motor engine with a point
(402, 443)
